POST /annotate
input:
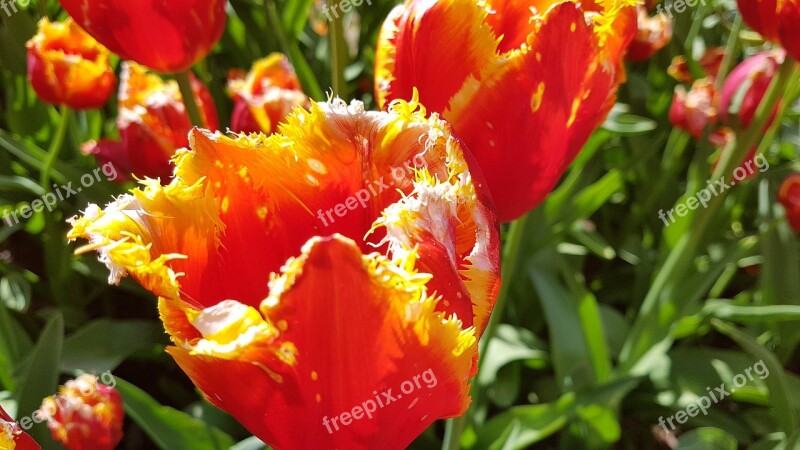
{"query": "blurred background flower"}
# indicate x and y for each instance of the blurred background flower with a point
(85, 415)
(264, 97)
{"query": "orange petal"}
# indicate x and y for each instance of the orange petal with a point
(239, 208)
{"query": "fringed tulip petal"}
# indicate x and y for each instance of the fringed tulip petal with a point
(376, 330)
(347, 254)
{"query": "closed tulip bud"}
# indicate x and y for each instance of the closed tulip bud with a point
(85, 415)
(68, 67)
(264, 97)
(746, 86)
(789, 197)
(166, 36)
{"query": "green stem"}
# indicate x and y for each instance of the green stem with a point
(55, 148)
(730, 49)
(512, 253)
(654, 320)
(277, 26)
(185, 84)
(338, 51)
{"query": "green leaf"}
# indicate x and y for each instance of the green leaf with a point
(251, 443)
(102, 345)
(776, 381)
(41, 377)
(15, 292)
(707, 438)
(14, 345)
(169, 428)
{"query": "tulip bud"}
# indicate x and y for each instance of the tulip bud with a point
(265, 96)
(746, 86)
(167, 36)
(695, 110)
(789, 197)
(710, 62)
(653, 34)
(66, 66)
(85, 415)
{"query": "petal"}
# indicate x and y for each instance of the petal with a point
(423, 39)
(165, 36)
(788, 18)
(375, 331)
(238, 208)
(541, 131)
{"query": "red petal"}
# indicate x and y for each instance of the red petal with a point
(165, 36)
(354, 334)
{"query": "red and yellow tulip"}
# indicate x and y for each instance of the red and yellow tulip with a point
(166, 36)
(653, 34)
(11, 435)
(524, 83)
(695, 111)
(776, 20)
(68, 67)
(85, 415)
(264, 97)
(325, 265)
(153, 123)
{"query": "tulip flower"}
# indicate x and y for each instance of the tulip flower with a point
(653, 34)
(710, 62)
(11, 435)
(85, 415)
(749, 82)
(152, 122)
(327, 265)
(696, 110)
(265, 96)
(166, 36)
(68, 67)
(789, 197)
(523, 86)
(776, 20)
